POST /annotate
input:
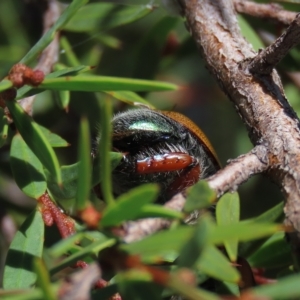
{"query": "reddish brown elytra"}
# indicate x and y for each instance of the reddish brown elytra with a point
(160, 147)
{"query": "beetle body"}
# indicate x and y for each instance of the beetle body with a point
(160, 147)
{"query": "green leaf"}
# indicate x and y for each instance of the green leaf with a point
(155, 40)
(104, 148)
(63, 100)
(46, 39)
(214, 263)
(109, 41)
(67, 190)
(53, 139)
(85, 167)
(63, 246)
(274, 253)
(228, 212)
(129, 205)
(287, 288)
(158, 211)
(27, 91)
(114, 157)
(275, 214)
(35, 139)
(92, 249)
(3, 127)
(104, 83)
(70, 177)
(199, 196)
(43, 279)
(26, 245)
(130, 98)
(162, 244)
(5, 84)
(188, 291)
(68, 51)
(192, 250)
(27, 169)
(136, 284)
(105, 16)
(242, 231)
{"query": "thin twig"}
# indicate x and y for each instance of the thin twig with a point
(239, 170)
(268, 58)
(261, 103)
(227, 179)
(137, 230)
(267, 11)
(50, 54)
(78, 286)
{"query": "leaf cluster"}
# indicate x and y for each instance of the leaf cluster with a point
(209, 251)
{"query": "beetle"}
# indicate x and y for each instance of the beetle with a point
(161, 147)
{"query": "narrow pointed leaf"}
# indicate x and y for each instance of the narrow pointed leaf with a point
(286, 288)
(5, 84)
(68, 51)
(104, 148)
(274, 214)
(129, 205)
(69, 175)
(214, 263)
(130, 98)
(192, 250)
(3, 127)
(27, 169)
(27, 90)
(161, 244)
(26, 245)
(114, 157)
(92, 249)
(35, 139)
(158, 211)
(274, 253)
(43, 279)
(84, 167)
(63, 100)
(105, 16)
(68, 189)
(53, 139)
(228, 212)
(199, 196)
(103, 83)
(189, 291)
(242, 231)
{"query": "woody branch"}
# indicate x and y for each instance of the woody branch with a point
(259, 99)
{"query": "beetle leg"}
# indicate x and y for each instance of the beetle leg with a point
(188, 177)
(169, 162)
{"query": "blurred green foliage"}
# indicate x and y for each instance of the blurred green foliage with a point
(142, 42)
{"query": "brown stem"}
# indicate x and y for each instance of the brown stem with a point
(239, 170)
(267, 11)
(261, 103)
(136, 230)
(78, 286)
(268, 58)
(229, 178)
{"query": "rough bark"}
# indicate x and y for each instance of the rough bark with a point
(258, 98)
